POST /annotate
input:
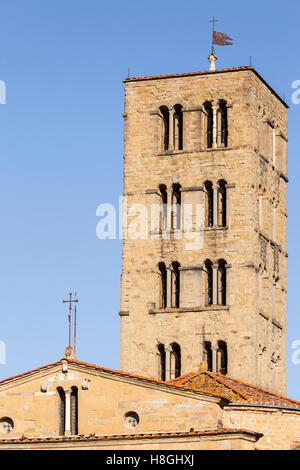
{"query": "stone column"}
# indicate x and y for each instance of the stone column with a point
(215, 206)
(168, 362)
(228, 287)
(171, 129)
(169, 287)
(68, 412)
(214, 349)
(215, 285)
(214, 139)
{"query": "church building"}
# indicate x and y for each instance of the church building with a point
(203, 284)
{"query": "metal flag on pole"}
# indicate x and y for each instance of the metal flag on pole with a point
(218, 38)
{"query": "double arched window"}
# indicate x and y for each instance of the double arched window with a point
(67, 398)
(169, 285)
(215, 282)
(215, 124)
(172, 127)
(169, 361)
(216, 356)
(215, 203)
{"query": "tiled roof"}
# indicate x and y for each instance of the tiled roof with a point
(233, 389)
(93, 437)
(109, 371)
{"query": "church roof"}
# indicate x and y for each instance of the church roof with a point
(93, 437)
(234, 390)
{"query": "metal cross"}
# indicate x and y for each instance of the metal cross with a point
(70, 301)
(213, 21)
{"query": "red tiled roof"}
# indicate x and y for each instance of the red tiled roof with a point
(233, 389)
(110, 371)
(92, 437)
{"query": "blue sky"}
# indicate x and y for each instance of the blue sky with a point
(61, 148)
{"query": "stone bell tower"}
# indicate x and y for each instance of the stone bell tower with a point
(204, 276)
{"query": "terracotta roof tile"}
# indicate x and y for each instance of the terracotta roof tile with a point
(233, 389)
(208, 432)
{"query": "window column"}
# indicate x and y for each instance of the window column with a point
(215, 285)
(214, 139)
(68, 412)
(171, 129)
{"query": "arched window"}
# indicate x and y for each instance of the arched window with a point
(222, 128)
(164, 113)
(175, 361)
(74, 411)
(178, 127)
(175, 284)
(209, 206)
(163, 285)
(176, 207)
(222, 357)
(61, 410)
(208, 355)
(222, 203)
(162, 362)
(164, 212)
(222, 282)
(208, 128)
(209, 283)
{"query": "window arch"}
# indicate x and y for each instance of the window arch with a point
(178, 127)
(209, 282)
(209, 206)
(74, 411)
(222, 203)
(162, 362)
(221, 282)
(222, 127)
(208, 127)
(222, 357)
(208, 355)
(163, 284)
(164, 113)
(176, 206)
(175, 359)
(164, 202)
(175, 286)
(61, 410)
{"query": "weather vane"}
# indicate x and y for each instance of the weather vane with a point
(70, 301)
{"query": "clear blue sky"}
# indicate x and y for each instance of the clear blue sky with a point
(61, 148)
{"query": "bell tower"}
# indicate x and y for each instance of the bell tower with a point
(204, 269)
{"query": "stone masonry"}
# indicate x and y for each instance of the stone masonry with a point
(251, 163)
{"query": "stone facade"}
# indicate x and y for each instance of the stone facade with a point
(251, 162)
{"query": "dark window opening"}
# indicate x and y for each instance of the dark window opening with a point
(222, 366)
(163, 277)
(61, 410)
(209, 282)
(178, 127)
(164, 201)
(175, 285)
(175, 360)
(74, 411)
(162, 356)
(209, 203)
(208, 355)
(222, 282)
(209, 124)
(222, 204)
(165, 116)
(176, 206)
(223, 131)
